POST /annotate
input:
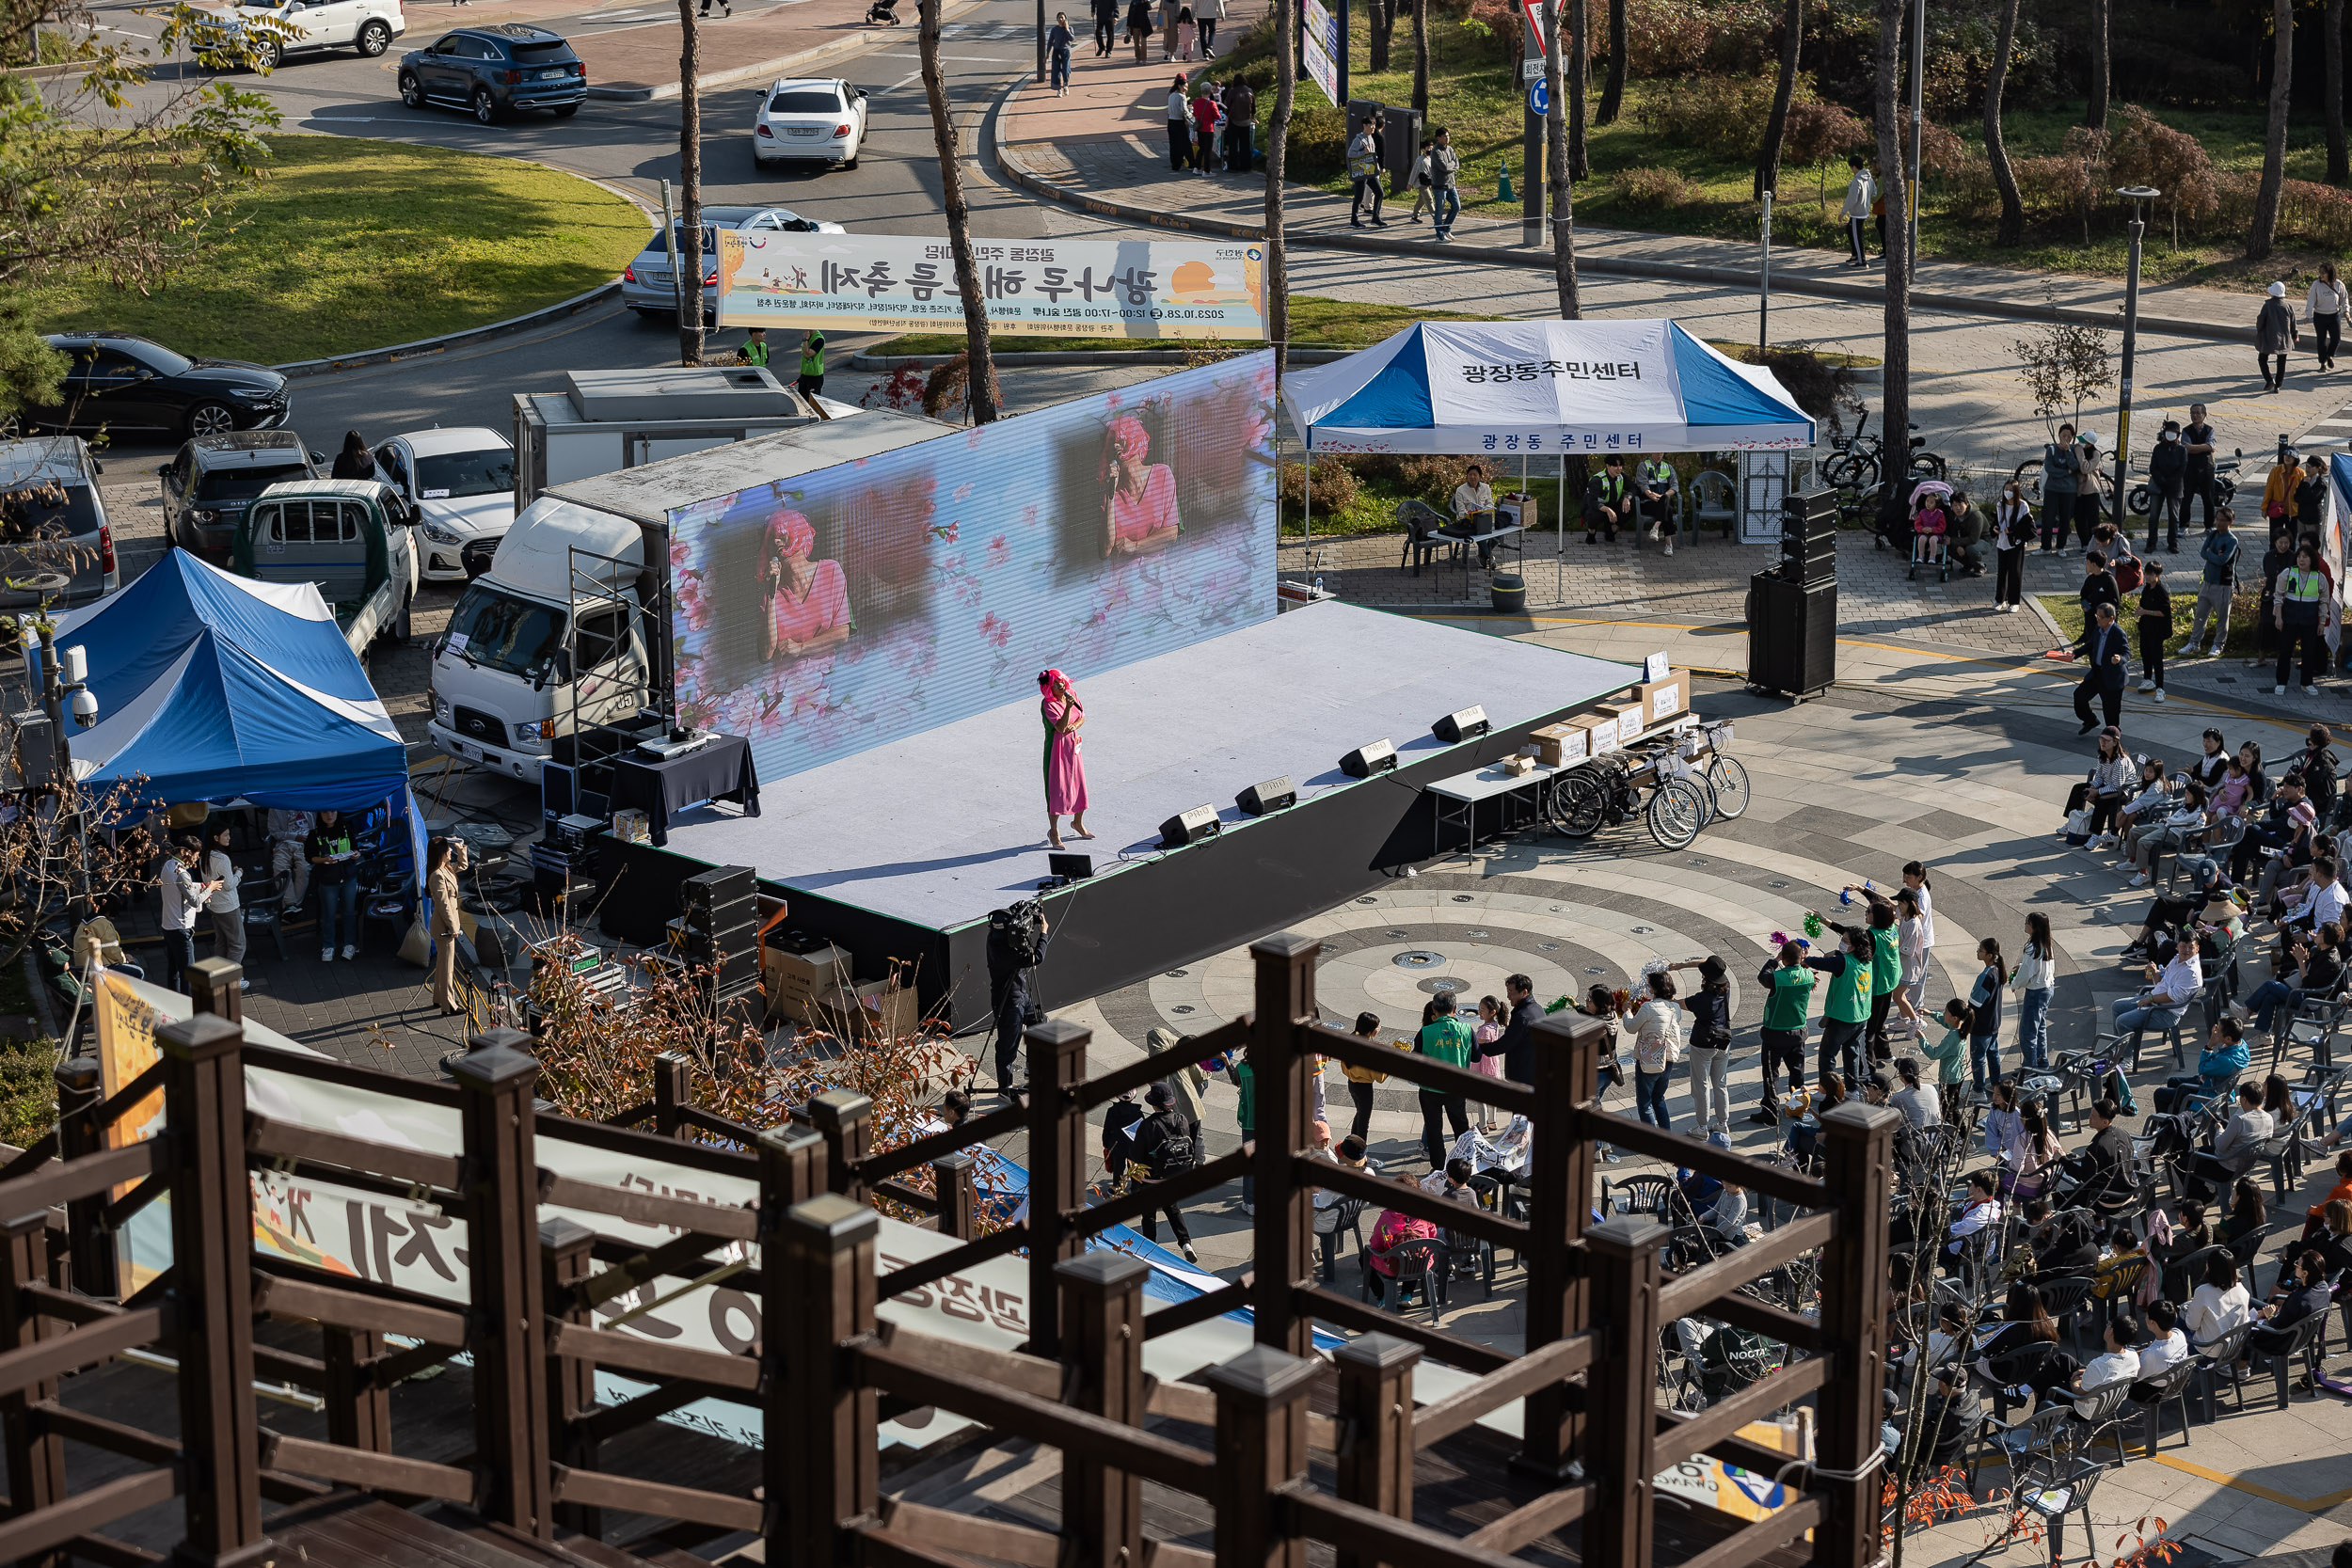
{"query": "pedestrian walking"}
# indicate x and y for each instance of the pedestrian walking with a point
(2274, 335)
(1179, 128)
(2302, 591)
(225, 910)
(2103, 649)
(443, 860)
(2060, 475)
(1166, 1144)
(2218, 554)
(1861, 190)
(2326, 306)
(2155, 629)
(1168, 29)
(1420, 182)
(812, 378)
(1139, 26)
(1058, 39)
(1444, 164)
(1363, 173)
(1106, 27)
(2168, 480)
(2196, 481)
(2012, 530)
(726, 8)
(1187, 32)
(1206, 14)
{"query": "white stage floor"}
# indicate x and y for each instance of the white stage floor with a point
(939, 827)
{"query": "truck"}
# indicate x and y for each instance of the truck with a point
(348, 536)
(606, 420)
(568, 630)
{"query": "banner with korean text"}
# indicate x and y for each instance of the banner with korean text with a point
(1036, 288)
(1319, 38)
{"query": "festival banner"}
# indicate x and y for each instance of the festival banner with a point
(1319, 30)
(1038, 288)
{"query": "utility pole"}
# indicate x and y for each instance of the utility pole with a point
(1918, 103)
(1531, 132)
(2138, 196)
(1764, 295)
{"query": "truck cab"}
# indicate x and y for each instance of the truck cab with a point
(347, 536)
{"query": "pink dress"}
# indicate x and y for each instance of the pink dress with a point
(1140, 516)
(1487, 1034)
(1065, 769)
(825, 606)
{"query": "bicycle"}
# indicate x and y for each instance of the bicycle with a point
(1609, 790)
(2224, 487)
(1855, 461)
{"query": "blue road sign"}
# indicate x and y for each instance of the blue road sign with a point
(1539, 97)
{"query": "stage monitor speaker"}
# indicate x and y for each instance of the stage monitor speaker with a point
(1070, 868)
(1463, 724)
(719, 885)
(1793, 636)
(558, 791)
(1190, 828)
(1273, 795)
(1364, 761)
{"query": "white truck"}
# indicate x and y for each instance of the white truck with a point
(609, 420)
(569, 628)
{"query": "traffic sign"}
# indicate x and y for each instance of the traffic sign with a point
(1532, 71)
(1539, 98)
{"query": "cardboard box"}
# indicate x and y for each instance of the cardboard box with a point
(1630, 720)
(797, 978)
(871, 1009)
(1666, 698)
(1600, 730)
(1558, 745)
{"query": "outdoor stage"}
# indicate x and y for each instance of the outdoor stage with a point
(901, 851)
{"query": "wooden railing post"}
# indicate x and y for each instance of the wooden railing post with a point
(214, 987)
(566, 1257)
(845, 1119)
(91, 1249)
(1260, 1448)
(212, 1253)
(1057, 1168)
(672, 1091)
(792, 1168)
(358, 1412)
(955, 1180)
(1858, 1169)
(1101, 1358)
(824, 1469)
(1281, 1072)
(791, 1171)
(1374, 1466)
(1621, 1411)
(510, 1376)
(1567, 1049)
(36, 1461)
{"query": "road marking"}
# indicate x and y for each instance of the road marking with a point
(339, 119)
(969, 59)
(2307, 1505)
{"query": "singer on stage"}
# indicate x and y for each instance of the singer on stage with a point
(1065, 769)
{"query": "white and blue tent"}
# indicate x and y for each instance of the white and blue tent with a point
(1542, 389)
(216, 687)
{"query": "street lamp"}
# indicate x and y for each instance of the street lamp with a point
(2138, 196)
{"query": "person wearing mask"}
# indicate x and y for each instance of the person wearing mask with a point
(1179, 128)
(1787, 997)
(1861, 191)
(355, 461)
(2168, 480)
(183, 894)
(2104, 649)
(1657, 1029)
(1058, 41)
(2215, 588)
(2218, 1305)
(334, 871)
(1710, 1007)
(2061, 475)
(224, 908)
(2274, 335)
(1447, 1039)
(2012, 531)
(1363, 174)
(2302, 596)
(2219, 1065)
(1165, 1144)
(1846, 1009)
(1445, 165)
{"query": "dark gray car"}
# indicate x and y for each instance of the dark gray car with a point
(55, 547)
(211, 481)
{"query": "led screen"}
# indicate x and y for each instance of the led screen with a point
(873, 600)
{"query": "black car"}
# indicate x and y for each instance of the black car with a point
(212, 480)
(495, 71)
(119, 381)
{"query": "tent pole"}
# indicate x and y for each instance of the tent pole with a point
(1307, 520)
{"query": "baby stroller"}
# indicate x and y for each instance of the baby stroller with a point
(883, 13)
(1942, 562)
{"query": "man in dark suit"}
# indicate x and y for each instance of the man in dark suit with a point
(1516, 1045)
(2103, 648)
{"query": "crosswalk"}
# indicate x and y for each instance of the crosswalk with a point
(998, 32)
(2335, 430)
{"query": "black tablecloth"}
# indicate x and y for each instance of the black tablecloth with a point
(719, 770)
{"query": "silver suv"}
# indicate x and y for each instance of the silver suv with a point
(646, 284)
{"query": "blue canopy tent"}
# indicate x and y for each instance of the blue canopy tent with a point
(218, 687)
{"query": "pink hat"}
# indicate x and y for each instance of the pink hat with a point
(2301, 811)
(1130, 437)
(794, 531)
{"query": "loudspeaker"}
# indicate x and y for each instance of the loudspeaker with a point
(1190, 828)
(1808, 537)
(35, 750)
(1273, 795)
(1464, 724)
(1793, 636)
(558, 791)
(719, 885)
(1364, 761)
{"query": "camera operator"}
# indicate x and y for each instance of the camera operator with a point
(1016, 939)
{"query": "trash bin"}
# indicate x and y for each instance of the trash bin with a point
(1509, 590)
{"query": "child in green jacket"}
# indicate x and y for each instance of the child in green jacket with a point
(1950, 1057)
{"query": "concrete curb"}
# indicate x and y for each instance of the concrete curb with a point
(1076, 357)
(1009, 166)
(782, 65)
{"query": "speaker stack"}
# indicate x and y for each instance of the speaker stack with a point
(721, 927)
(1792, 609)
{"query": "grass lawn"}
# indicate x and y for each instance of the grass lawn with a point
(350, 243)
(1315, 323)
(28, 1083)
(1471, 94)
(2067, 611)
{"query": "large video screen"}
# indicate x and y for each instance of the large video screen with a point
(876, 599)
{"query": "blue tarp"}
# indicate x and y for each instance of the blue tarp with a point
(212, 686)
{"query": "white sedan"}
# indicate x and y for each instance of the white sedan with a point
(810, 119)
(459, 484)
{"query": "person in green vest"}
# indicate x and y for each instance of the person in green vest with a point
(1245, 1079)
(1607, 504)
(1653, 492)
(1788, 998)
(2302, 589)
(1445, 1038)
(1847, 1008)
(1886, 966)
(754, 349)
(812, 364)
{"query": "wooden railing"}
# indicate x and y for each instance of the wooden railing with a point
(824, 1370)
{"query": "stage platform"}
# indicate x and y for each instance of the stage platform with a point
(902, 850)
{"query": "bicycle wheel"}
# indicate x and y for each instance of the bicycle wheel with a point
(1677, 809)
(1575, 805)
(1837, 471)
(2026, 476)
(2137, 501)
(1927, 465)
(1728, 783)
